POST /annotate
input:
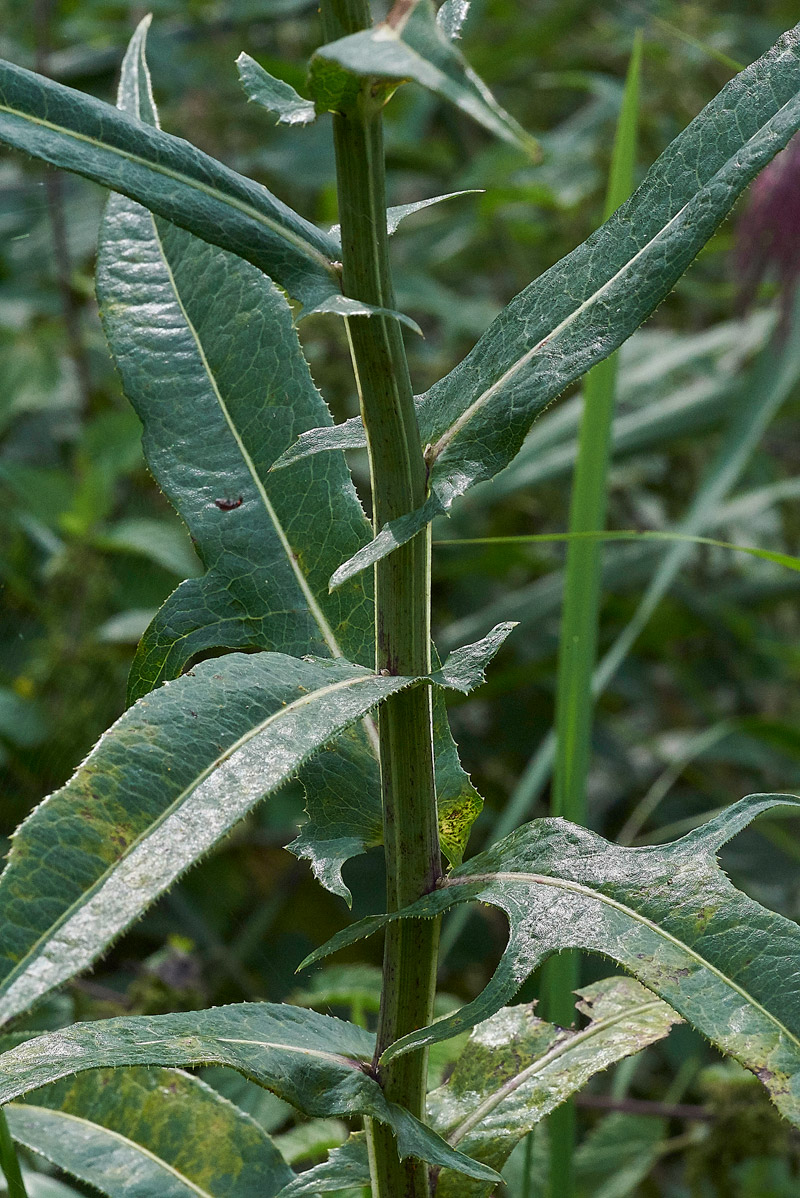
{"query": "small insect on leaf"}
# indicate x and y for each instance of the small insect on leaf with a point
(227, 505)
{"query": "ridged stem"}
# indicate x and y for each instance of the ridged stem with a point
(402, 597)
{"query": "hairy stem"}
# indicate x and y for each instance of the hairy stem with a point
(402, 594)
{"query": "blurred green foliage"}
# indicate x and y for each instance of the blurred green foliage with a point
(705, 707)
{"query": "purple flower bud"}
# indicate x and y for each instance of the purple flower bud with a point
(768, 236)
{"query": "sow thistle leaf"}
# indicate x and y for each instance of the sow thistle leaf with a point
(211, 434)
(517, 1068)
(212, 431)
(411, 47)
(347, 1167)
(135, 1133)
(514, 1071)
(275, 95)
(171, 177)
(665, 913)
(162, 787)
(317, 1063)
(474, 421)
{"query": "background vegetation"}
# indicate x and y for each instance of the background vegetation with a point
(705, 705)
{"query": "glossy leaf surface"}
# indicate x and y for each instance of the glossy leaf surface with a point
(474, 420)
(163, 785)
(514, 1070)
(414, 46)
(136, 1133)
(665, 913)
(517, 1068)
(313, 1061)
(211, 434)
(171, 177)
(175, 773)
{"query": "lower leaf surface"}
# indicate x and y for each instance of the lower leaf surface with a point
(136, 1133)
(317, 1063)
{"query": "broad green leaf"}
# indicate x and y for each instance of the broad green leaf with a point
(168, 780)
(170, 176)
(517, 1068)
(136, 1133)
(211, 434)
(275, 95)
(317, 1063)
(659, 404)
(514, 1071)
(411, 45)
(473, 422)
(346, 1168)
(175, 773)
(665, 913)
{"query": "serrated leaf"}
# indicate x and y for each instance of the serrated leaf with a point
(275, 95)
(135, 1133)
(165, 784)
(346, 1168)
(211, 434)
(395, 216)
(411, 45)
(317, 1063)
(161, 787)
(170, 176)
(474, 421)
(517, 1068)
(514, 1071)
(665, 913)
(464, 668)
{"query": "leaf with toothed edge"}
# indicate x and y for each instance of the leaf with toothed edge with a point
(275, 95)
(161, 788)
(514, 1070)
(267, 558)
(411, 45)
(172, 177)
(474, 421)
(397, 214)
(665, 913)
(138, 1132)
(317, 1063)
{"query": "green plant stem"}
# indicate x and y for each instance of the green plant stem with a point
(579, 630)
(402, 597)
(9, 1161)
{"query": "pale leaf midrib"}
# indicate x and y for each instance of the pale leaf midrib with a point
(455, 428)
(327, 632)
(22, 965)
(588, 892)
(558, 1050)
(274, 226)
(131, 1145)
